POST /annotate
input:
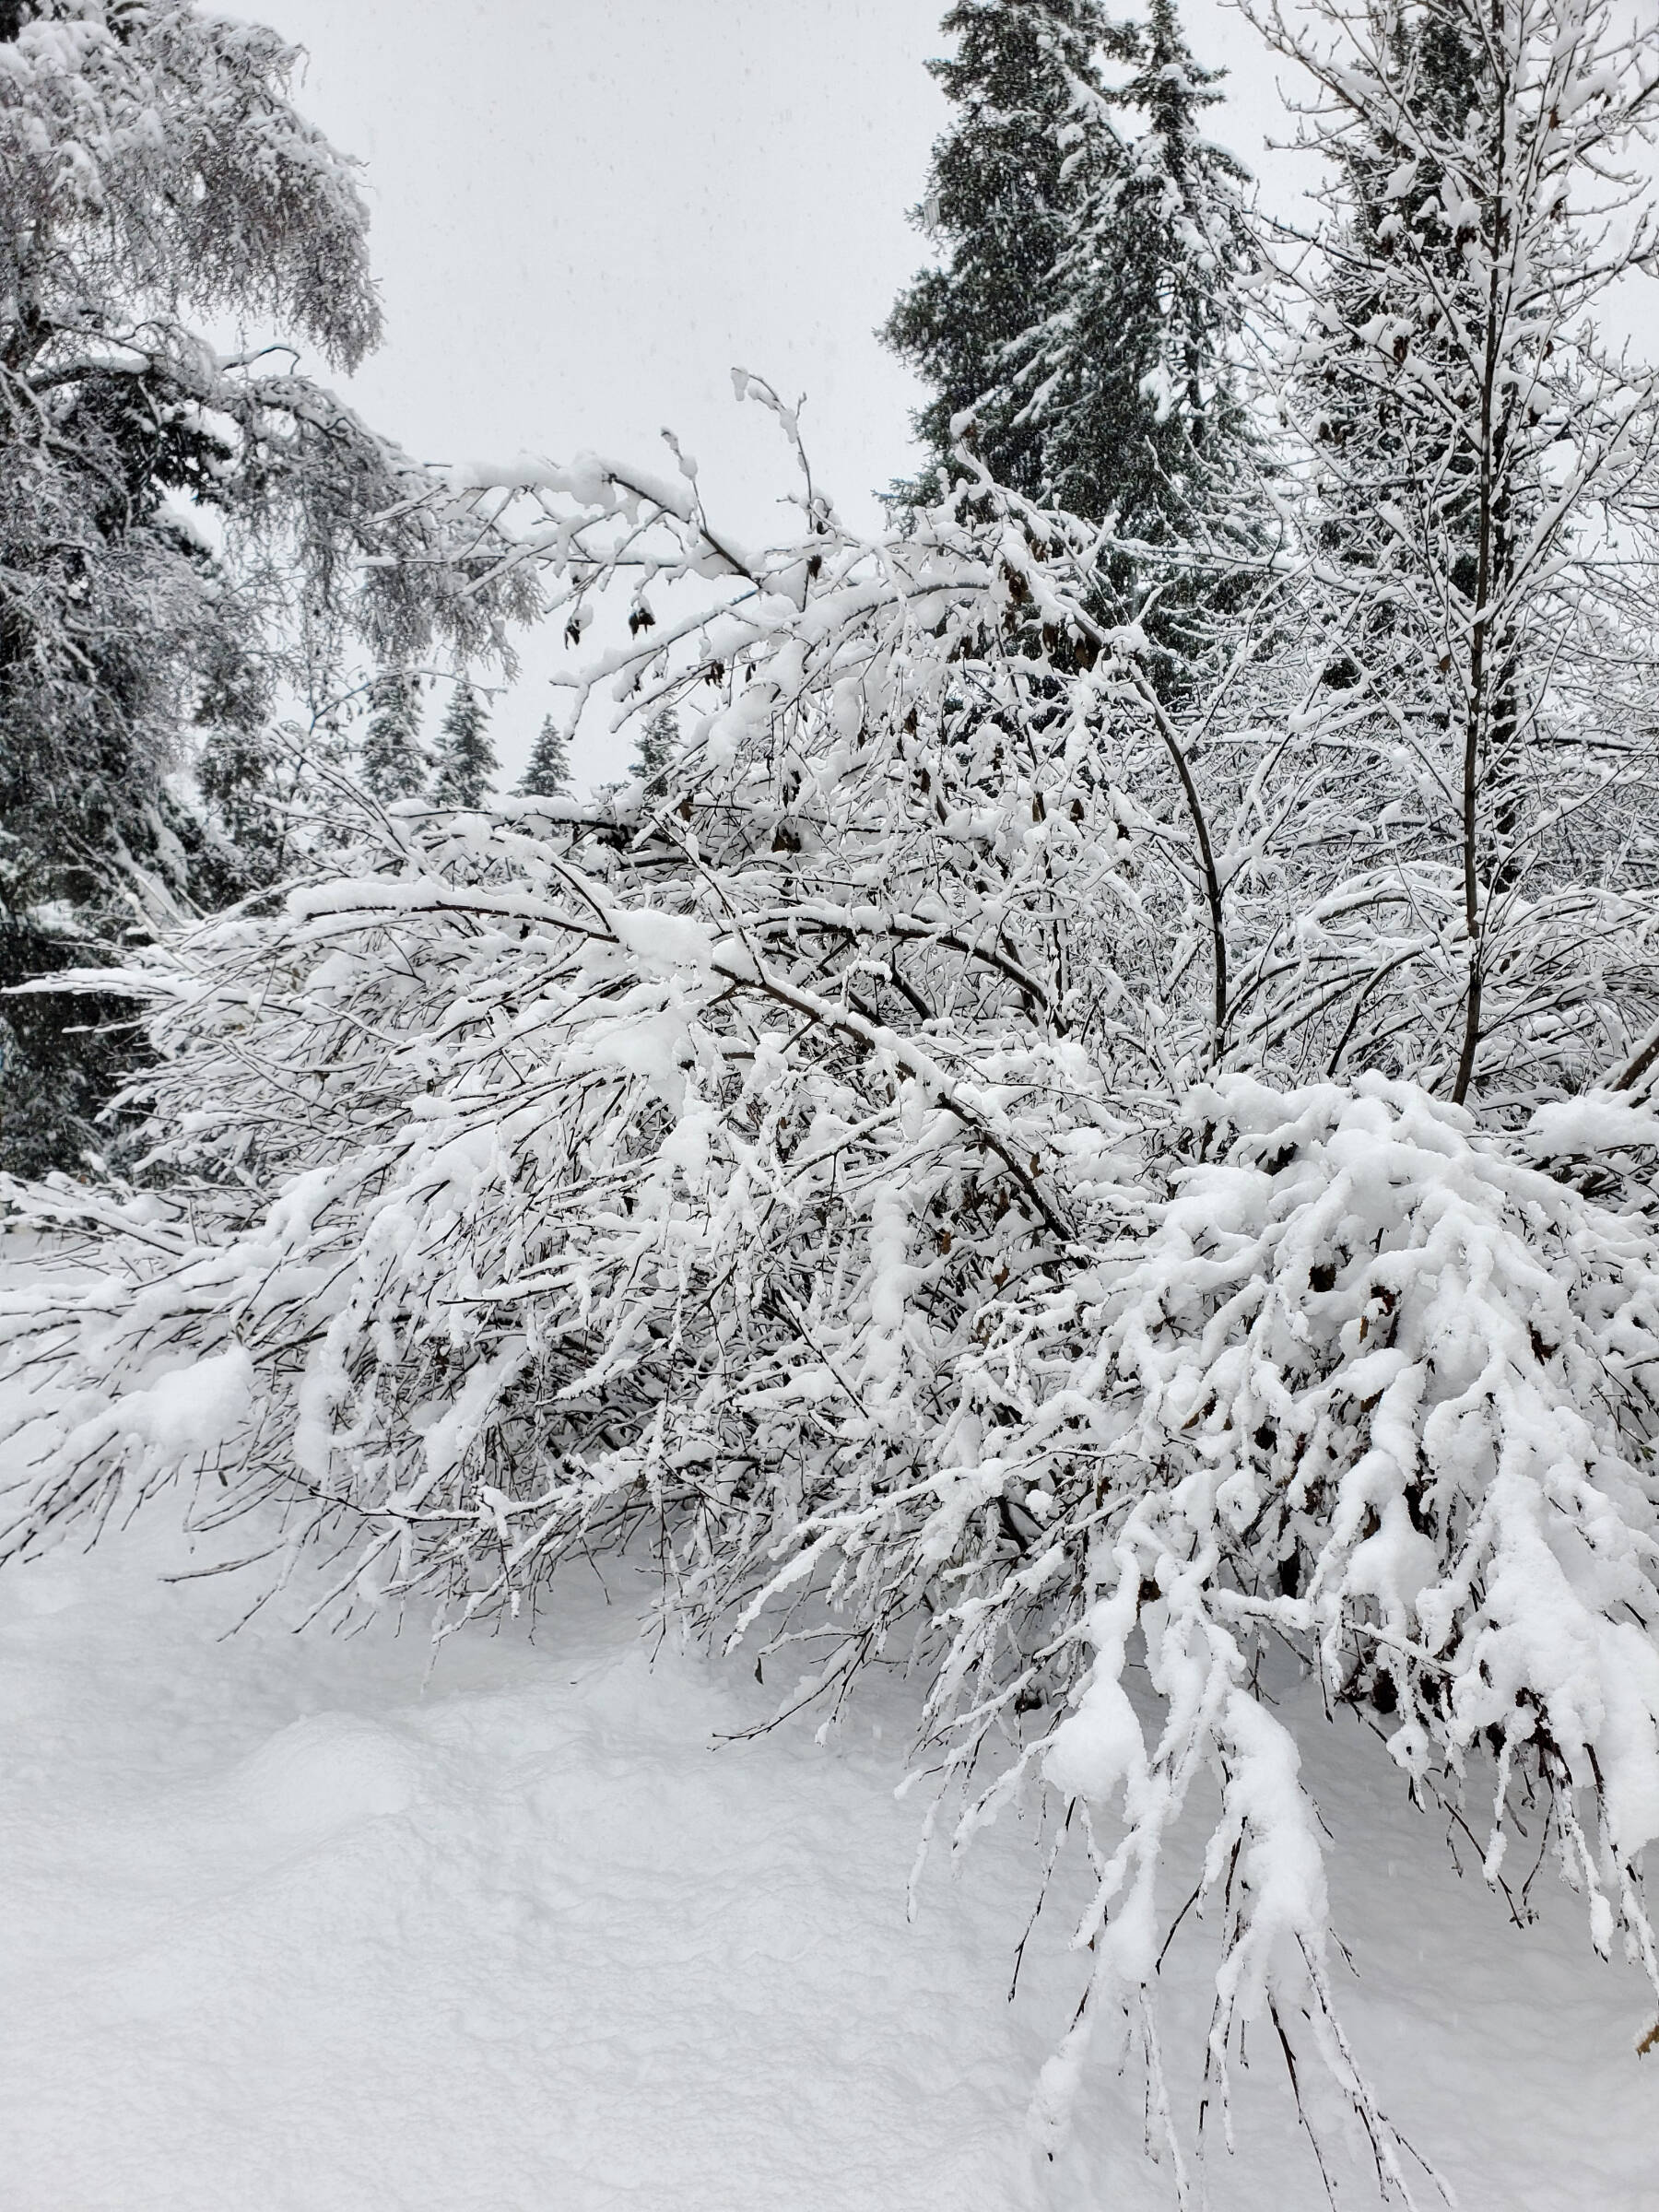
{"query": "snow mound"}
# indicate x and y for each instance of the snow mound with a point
(329, 1771)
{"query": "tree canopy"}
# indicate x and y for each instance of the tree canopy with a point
(185, 537)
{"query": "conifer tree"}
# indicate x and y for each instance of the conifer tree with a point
(1124, 375)
(659, 741)
(394, 762)
(466, 760)
(547, 772)
(1005, 193)
(1088, 311)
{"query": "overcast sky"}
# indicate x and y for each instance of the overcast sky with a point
(586, 211)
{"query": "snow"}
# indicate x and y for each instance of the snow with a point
(302, 1922)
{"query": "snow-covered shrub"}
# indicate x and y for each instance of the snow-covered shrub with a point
(536, 1186)
(1385, 1390)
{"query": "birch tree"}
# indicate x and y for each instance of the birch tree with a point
(1482, 480)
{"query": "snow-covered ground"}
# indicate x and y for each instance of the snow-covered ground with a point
(292, 1927)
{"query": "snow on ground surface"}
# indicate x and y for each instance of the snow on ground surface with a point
(293, 1927)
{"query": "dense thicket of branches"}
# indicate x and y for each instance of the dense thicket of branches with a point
(1481, 482)
(1001, 1150)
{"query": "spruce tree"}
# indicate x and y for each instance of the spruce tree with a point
(1087, 311)
(1005, 191)
(1124, 376)
(467, 760)
(393, 760)
(547, 772)
(659, 741)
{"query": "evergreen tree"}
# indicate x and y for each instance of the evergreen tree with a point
(244, 833)
(1124, 376)
(467, 760)
(1006, 188)
(659, 742)
(547, 774)
(394, 762)
(1088, 309)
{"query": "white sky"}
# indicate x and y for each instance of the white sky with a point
(586, 211)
